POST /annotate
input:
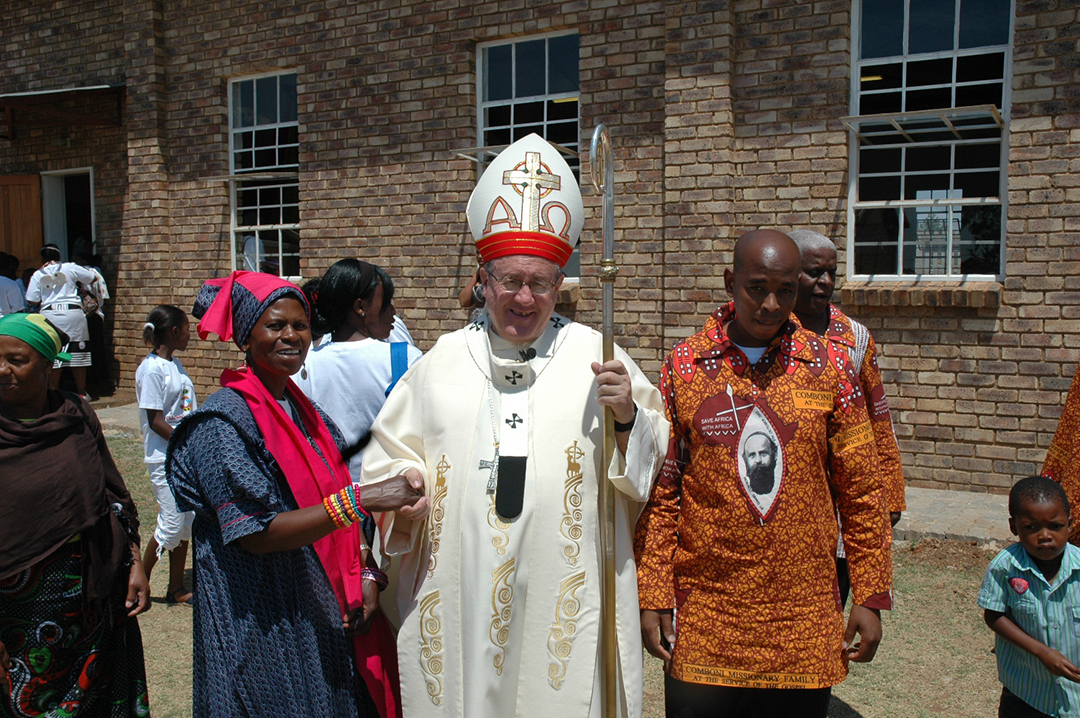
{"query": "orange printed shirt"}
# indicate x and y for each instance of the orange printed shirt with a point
(739, 534)
(1063, 458)
(842, 333)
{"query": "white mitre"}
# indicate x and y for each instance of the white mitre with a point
(527, 202)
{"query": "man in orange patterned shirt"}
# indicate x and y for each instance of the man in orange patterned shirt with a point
(1063, 459)
(738, 587)
(846, 336)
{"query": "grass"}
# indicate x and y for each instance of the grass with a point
(935, 658)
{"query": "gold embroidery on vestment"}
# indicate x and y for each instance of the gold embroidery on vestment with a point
(431, 643)
(561, 638)
(437, 513)
(500, 540)
(502, 595)
(571, 519)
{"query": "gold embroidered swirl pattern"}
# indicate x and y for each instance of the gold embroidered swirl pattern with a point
(501, 540)
(561, 638)
(431, 661)
(437, 513)
(570, 527)
(502, 594)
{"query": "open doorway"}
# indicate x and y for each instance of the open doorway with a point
(67, 211)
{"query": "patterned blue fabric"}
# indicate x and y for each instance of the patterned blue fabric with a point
(268, 638)
(1049, 613)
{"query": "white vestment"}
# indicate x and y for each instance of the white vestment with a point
(502, 617)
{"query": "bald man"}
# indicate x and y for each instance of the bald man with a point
(752, 575)
(851, 340)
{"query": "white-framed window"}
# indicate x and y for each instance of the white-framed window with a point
(930, 104)
(264, 150)
(531, 84)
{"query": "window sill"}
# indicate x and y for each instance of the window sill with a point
(913, 293)
(569, 293)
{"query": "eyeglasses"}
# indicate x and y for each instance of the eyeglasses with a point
(513, 286)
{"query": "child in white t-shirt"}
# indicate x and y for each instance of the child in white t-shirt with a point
(166, 395)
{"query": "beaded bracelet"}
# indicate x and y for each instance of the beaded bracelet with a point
(376, 575)
(343, 508)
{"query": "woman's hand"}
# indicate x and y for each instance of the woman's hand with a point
(358, 621)
(403, 493)
(138, 593)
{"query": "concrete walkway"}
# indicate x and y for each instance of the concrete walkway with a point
(931, 513)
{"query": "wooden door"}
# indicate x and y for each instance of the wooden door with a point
(20, 218)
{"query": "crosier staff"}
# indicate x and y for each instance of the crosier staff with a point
(602, 173)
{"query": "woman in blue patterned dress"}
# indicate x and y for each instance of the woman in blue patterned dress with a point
(71, 582)
(284, 588)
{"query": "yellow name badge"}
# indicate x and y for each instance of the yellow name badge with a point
(856, 436)
(806, 399)
(714, 676)
(1057, 453)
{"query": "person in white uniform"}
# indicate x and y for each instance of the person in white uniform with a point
(54, 289)
(499, 587)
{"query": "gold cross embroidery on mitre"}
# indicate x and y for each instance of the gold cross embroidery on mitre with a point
(534, 182)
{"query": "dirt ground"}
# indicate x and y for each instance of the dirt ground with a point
(935, 657)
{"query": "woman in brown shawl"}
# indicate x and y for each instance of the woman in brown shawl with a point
(71, 581)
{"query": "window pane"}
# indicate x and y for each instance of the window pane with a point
(288, 135)
(563, 133)
(498, 75)
(919, 186)
(270, 215)
(244, 103)
(872, 161)
(872, 189)
(972, 156)
(877, 104)
(927, 158)
(266, 158)
(497, 116)
(881, 77)
(970, 68)
(989, 94)
(929, 99)
(290, 215)
(288, 156)
(876, 231)
(978, 184)
(265, 138)
(268, 244)
(243, 161)
(562, 110)
(523, 131)
(528, 112)
(288, 97)
(563, 64)
(496, 138)
(926, 236)
(529, 68)
(246, 140)
(266, 101)
(980, 235)
(290, 251)
(984, 22)
(929, 72)
(247, 216)
(931, 25)
(882, 28)
(290, 194)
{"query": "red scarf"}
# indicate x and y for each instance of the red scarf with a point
(310, 479)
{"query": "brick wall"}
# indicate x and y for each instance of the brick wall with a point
(724, 117)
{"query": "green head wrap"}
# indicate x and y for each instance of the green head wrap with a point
(37, 331)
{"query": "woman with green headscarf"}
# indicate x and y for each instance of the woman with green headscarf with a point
(71, 582)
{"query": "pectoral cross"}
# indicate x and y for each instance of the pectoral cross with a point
(493, 465)
(533, 180)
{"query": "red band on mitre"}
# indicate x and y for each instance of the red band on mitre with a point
(536, 244)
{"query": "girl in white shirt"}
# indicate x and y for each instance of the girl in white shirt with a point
(351, 372)
(166, 395)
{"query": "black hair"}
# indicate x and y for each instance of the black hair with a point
(1036, 490)
(160, 321)
(331, 298)
(50, 253)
